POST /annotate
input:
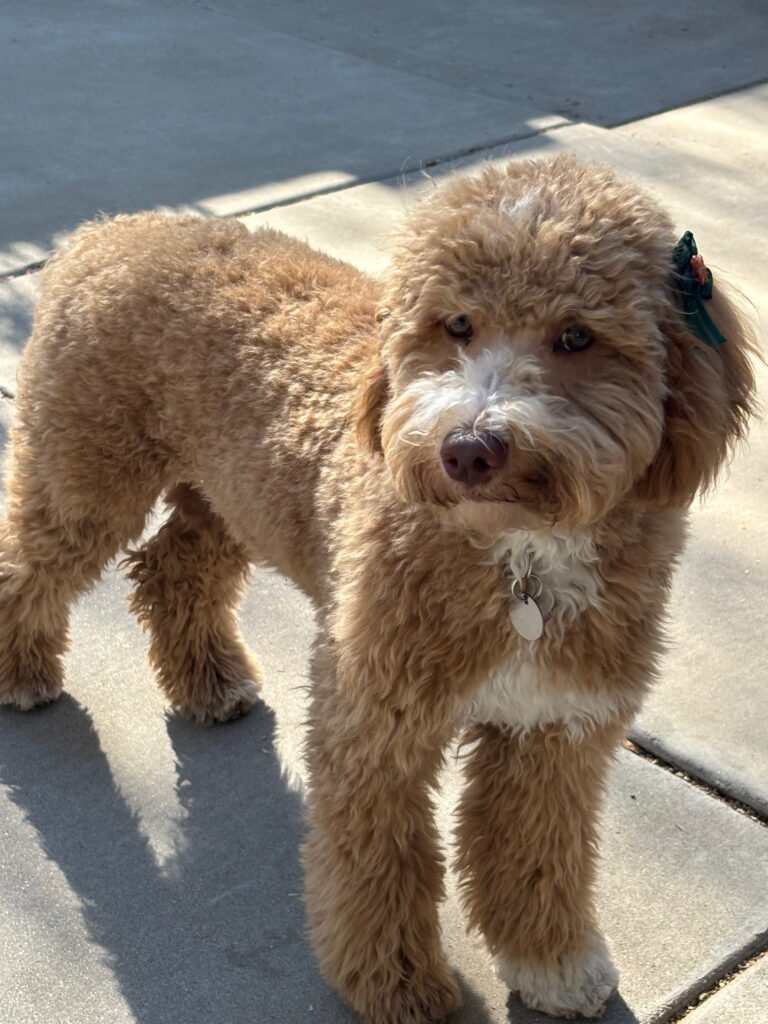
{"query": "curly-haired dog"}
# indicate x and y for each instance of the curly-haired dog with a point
(478, 470)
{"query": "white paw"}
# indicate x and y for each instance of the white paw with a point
(23, 699)
(235, 701)
(238, 701)
(576, 986)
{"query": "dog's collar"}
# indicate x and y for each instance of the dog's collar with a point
(692, 282)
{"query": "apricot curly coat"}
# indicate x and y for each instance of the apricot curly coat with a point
(296, 413)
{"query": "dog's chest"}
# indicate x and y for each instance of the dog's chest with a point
(519, 694)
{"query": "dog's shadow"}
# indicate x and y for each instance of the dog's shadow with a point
(217, 933)
(616, 1012)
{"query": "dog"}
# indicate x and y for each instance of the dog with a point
(478, 469)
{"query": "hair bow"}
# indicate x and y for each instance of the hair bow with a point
(693, 283)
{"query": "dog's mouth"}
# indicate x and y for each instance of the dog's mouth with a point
(525, 481)
(436, 488)
(476, 494)
(532, 488)
(520, 505)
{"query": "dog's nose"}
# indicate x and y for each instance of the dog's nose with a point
(472, 458)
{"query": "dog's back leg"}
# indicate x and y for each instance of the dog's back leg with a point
(63, 525)
(189, 579)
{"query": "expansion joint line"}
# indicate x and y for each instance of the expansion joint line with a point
(703, 785)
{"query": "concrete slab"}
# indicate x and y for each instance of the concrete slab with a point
(229, 105)
(708, 713)
(744, 1000)
(151, 871)
(130, 105)
(591, 60)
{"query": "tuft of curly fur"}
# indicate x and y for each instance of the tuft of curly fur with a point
(293, 411)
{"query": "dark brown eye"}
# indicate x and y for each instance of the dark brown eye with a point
(460, 327)
(573, 339)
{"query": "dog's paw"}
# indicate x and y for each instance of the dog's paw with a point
(577, 986)
(237, 701)
(34, 692)
(427, 1001)
(28, 697)
(234, 701)
(31, 673)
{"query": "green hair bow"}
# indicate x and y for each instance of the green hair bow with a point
(693, 283)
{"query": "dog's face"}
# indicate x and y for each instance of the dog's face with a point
(525, 377)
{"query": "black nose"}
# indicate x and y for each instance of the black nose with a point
(473, 458)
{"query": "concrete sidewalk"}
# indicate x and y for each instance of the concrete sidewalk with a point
(149, 867)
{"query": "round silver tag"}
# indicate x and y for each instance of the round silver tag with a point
(526, 617)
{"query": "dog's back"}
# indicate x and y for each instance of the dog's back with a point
(176, 348)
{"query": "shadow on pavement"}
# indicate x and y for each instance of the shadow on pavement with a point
(218, 932)
(216, 935)
(616, 1012)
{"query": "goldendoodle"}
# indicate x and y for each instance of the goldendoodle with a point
(477, 468)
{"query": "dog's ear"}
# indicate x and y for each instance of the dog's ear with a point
(372, 397)
(710, 396)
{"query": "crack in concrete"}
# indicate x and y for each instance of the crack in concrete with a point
(704, 786)
(718, 984)
(707, 98)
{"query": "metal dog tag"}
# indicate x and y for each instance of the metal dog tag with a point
(525, 613)
(526, 617)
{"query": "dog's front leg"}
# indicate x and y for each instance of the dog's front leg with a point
(373, 865)
(527, 853)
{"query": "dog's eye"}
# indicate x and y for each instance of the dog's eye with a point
(460, 327)
(573, 339)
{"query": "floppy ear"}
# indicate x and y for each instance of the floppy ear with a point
(371, 398)
(710, 396)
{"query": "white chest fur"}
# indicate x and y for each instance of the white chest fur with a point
(519, 697)
(518, 694)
